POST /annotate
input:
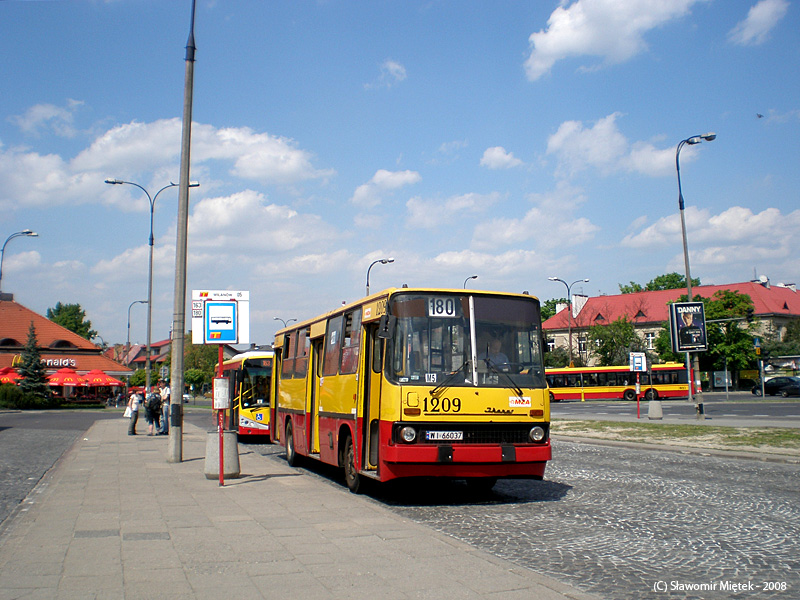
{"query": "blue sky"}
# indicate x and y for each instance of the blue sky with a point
(509, 140)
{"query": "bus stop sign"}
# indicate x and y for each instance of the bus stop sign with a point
(220, 317)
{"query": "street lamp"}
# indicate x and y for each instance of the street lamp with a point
(468, 278)
(383, 261)
(152, 200)
(23, 233)
(708, 137)
(285, 323)
(569, 307)
(128, 343)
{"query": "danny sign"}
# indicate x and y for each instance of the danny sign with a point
(687, 322)
(220, 317)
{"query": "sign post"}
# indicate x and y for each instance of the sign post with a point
(220, 317)
(222, 402)
(638, 364)
(687, 327)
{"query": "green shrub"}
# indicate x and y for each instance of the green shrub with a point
(10, 396)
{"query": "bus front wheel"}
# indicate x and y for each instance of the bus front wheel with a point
(629, 395)
(351, 475)
(291, 452)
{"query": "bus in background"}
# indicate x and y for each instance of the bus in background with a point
(250, 376)
(415, 382)
(666, 380)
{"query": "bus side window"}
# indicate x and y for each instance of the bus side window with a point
(290, 341)
(330, 364)
(351, 341)
(302, 345)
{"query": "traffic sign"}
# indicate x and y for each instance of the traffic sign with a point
(220, 317)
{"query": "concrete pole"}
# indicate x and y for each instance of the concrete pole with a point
(175, 448)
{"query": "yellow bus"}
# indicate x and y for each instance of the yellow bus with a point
(667, 380)
(250, 376)
(416, 382)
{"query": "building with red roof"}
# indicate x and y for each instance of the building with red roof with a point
(774, 306)
(59, 347)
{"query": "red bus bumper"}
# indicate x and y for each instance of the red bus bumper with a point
(424, 460)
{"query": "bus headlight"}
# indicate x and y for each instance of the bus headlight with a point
(536, 434)
(408, 434)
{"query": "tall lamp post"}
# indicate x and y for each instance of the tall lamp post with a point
(696, 139)
(468, 278)
(128, 342)
(285, 323)
(383, 261)
(569, 307)
(23, 233)
(152, 200)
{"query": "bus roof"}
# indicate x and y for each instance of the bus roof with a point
(248, 354)
(390, 292)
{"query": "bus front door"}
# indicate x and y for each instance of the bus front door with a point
(370, 391)
(312, 414)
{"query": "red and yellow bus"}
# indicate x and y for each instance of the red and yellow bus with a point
(668, 380)
(250, 375)
(416, 382)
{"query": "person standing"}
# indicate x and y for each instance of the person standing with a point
(133, 404)
(164, 409)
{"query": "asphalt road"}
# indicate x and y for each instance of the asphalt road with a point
(623, 523)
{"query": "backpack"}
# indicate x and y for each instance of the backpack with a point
(154, 403)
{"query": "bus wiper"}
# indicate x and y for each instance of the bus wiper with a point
(492, 367)
(449, 379)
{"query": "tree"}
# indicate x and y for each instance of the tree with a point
(139, 378)
(73, 317)
(549, 307)
(670, 281)
(557, 357)
(614, 342)
(194, 378)
(32, 369)
(789, 345)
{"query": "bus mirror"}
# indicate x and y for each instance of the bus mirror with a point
(386, 327)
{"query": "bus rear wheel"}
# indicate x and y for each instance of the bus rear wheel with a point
(351, 475)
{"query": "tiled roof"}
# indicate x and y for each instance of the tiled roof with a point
(57, 344)
(651, 307)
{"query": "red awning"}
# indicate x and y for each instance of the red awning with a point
(66, 376)
(97, 378)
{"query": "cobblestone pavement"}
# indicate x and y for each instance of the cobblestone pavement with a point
(627, 523)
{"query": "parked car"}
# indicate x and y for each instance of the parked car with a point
(785, 386)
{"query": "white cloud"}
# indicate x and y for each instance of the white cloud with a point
(735, 237)
(246, 220)
(602, 146)
(370, 194)
(392, 73)
(148, 153)
(259, 157)
(551, 218)
(428, 214)
(498, 158)
(761, 19)
(48, 118)
(610, 29)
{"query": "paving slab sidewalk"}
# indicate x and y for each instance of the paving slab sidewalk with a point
(113, 519)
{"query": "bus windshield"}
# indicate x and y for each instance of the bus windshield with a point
(255, 387)
(465, 340)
